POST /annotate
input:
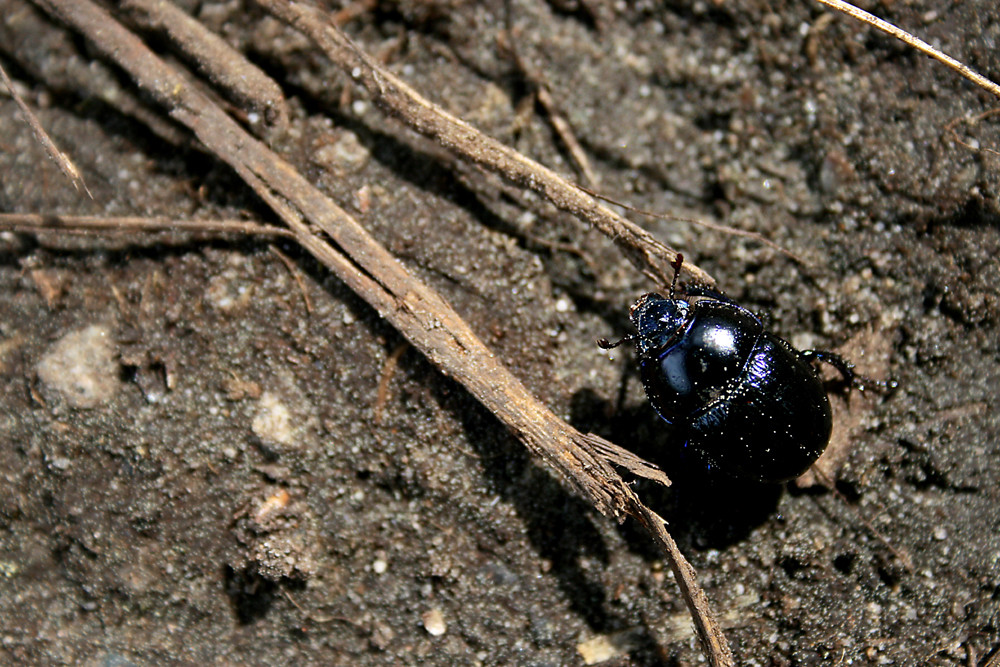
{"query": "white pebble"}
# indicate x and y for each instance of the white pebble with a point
(434, 622)
(81, 367)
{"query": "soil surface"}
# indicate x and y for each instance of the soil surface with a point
(212, 455)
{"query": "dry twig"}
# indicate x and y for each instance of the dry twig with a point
(296, 276)
(243, 82)
(972, 122)
(32, 222)
(915, 42)
(394, 96)
(388, 371)
(541, 88)
(46, 53)
(724, 229)
(61, 159)
(420, 314)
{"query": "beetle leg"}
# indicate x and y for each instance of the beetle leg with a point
(843, 366)
(846, 370)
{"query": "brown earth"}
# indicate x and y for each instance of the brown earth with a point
(198, 469)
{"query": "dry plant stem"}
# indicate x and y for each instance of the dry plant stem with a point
(296, 276)
(388, 371)
(561, 126)
(32, 222)
(43, 51)
(244, 83)
(723, 229)
(710, 634)
(418, 312)
(357, 259)
(61, 159)
(648, 254)
(915, 42)
(353, 11)
(566, 135)
(950, 128)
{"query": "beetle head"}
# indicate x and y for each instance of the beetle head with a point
(657, 320)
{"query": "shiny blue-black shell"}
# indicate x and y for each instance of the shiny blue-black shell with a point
(744, 399)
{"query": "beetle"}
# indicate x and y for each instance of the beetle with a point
(746, 401)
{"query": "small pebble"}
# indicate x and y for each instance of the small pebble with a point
(598, 649)
(81, 367)
(434, 622)
(273, 420)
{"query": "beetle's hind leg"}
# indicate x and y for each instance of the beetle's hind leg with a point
(846, 370)
(843, 366)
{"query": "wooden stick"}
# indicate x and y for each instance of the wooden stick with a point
(243, 82)
(418, 312)
(33, 222)
(395, 97)
(61, 159)
(915, 42)
(358, 259)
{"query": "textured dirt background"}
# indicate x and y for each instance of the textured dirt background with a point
(237, 492)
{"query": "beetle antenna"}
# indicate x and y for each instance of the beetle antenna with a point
(678, 260)
(605, 344)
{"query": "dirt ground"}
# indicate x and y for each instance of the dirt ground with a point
(210, 455)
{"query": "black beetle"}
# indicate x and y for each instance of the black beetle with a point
(747, 401)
